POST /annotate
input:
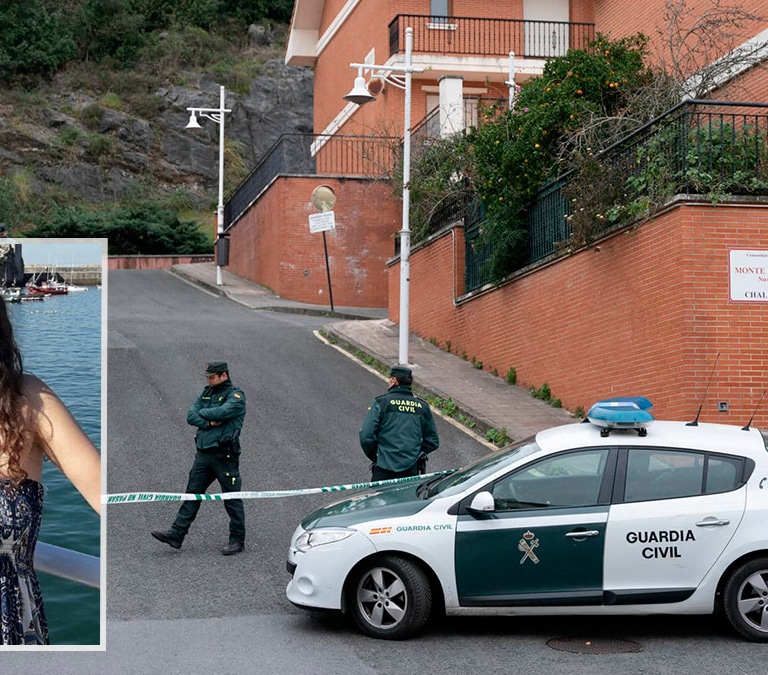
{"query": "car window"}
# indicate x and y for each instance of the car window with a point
(668, 474)
(570, 479)
(458, 480)
(723, 474)
(663, 474)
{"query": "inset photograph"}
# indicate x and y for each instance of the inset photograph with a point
(52, 321)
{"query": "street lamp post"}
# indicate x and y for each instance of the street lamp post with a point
(361, 95)
(217, 115)
(511, 81)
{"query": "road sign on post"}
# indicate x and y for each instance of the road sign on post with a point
(322, 222)
(324, 199)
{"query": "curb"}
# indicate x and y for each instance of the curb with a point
(482, 424)
(192, 279)
(287, 309)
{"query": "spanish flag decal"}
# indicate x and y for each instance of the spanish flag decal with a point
(380, 530)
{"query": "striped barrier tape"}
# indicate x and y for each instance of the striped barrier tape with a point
(140, 497)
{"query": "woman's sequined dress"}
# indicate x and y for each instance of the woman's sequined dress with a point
(22, 617)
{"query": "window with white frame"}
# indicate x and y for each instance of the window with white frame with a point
(440, 9)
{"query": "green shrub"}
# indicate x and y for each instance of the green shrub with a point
(111, 100)
(144, 105)
(497, 436)
(35, 40)
(91, 116)
(543, 393)
(68, 135)
(511, 376)
(145, 230)
(100, 147)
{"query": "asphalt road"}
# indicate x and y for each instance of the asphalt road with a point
(193, 610)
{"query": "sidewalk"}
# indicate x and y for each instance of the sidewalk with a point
(480, 396)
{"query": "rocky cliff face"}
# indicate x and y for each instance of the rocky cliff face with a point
(119, 154)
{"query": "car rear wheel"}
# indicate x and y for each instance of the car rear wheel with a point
(391, 598)
(745, 599)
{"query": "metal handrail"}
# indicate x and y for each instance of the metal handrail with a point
(293, 154)
(723, 142)
(467, 35)
(68, 564)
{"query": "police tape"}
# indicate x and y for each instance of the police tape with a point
(142, 497)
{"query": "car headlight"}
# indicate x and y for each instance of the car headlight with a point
(311, 538)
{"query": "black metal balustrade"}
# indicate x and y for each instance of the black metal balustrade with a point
(292, 154)
(472, 36)
(698, 147)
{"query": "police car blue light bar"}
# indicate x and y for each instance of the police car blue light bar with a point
(622, 412)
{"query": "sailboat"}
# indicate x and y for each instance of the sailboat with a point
(46, 287)
(72, 288)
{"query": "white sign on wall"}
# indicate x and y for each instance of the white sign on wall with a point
(748, 275)
(321, 222)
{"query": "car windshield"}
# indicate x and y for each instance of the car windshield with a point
(459, 480)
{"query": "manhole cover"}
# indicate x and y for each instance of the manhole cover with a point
(595, 646)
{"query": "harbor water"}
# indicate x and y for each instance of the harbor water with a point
(60, 340)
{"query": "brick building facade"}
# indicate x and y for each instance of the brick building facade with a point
(645, 313)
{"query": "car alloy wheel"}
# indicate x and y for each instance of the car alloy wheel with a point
(392, 598)
(746, 599)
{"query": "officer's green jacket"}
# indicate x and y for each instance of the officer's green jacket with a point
(223, 403)
(397, 428)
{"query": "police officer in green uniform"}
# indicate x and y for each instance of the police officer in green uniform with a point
(218, 414)
(398, 429)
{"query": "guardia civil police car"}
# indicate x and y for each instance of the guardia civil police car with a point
(617, 515)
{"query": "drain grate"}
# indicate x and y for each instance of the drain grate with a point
(594, 646)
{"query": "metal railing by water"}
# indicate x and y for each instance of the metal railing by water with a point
(68, 564)
(313, 154)
(468, 36)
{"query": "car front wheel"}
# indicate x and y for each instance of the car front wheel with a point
(391, 598)
(746, 599)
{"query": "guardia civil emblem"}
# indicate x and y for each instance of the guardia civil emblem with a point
(526, 545)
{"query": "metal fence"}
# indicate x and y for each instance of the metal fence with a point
(698, 147)
(488, 37)
(477, 111)
(68, 564)
(313, 154)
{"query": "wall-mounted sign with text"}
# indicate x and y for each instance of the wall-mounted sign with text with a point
(748, 275)
(321, 222)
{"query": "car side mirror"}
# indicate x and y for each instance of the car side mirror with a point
(482, 502)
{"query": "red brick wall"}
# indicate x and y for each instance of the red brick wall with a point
(647, 17)
(658, 296)
(364, 29)
(583, 11)
(367, 28)
(153, 262)
(752, 87)
(272, 245)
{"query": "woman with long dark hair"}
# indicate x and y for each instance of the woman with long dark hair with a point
(33, 423)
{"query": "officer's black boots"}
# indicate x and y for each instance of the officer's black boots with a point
(167, 537)
(233, 547)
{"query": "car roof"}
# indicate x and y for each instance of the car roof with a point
(724, 438)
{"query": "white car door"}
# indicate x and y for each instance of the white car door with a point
(676, 513)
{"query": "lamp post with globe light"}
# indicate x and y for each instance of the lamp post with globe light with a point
(217, 115)
(361, 95)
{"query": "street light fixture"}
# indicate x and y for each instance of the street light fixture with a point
(361, 95)
(217, 115)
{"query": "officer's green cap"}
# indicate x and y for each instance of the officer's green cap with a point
(401, 371)
(216, 368)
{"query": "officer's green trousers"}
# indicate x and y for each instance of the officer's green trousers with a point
(209, 466)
